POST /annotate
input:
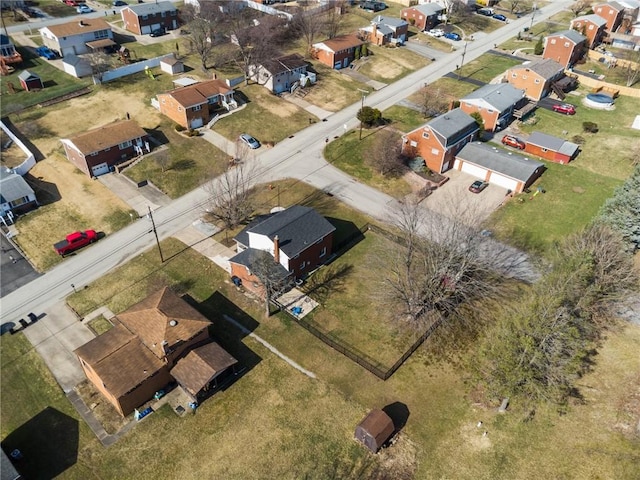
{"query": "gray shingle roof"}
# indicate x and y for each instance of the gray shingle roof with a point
(13, 187)
(553, 143)
(151, 8)
(297, 228)
(572, 35)
(500, 96)
(251, 255)
(27, 75)
(612, 4)
(384, 30)
(284, 63)
(429, 9)
(500, 161)
(453, 123)
(389, 21)
(546, 67)
(593, 18)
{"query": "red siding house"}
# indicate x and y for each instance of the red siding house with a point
(299, 239)
(535, 78)
(494, 102)
(146, 17)
(194, 105)
(337, 52)
(592, 26)
(565, 47)
(551, 148)
(612, 12)
(386, 30)
(423, 17)
(135, 358)
(438, 141)
(96, 151)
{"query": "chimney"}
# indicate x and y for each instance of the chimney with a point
(165, 347)
(276, 249)
(81, 23)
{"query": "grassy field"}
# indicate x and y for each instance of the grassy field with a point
(348, 154)
(388, 64)
(487, 67)
(404, 119)
(56, 83)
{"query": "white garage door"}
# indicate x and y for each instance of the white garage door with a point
(474, 170)
(145, 29)
(196, 122)
(100, 169)
(502, 181)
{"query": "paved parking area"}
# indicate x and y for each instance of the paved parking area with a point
(15, 270)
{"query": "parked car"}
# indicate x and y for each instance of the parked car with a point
(372, 6)
(119, 3)
(512, 141)
(435, 32)
(84, 9)
(72, 3)
(75, 241)
(46, 52)
(478, 186)
(499, 16)
(487, 12)
(250, 141)
(452, 36)
(158, 32)
(565, 108)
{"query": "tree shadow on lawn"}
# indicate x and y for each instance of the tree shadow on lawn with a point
(326, 281)
(182, 165)
(48, 442)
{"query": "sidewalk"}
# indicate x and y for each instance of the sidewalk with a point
(198, 236)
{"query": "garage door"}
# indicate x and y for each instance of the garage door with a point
(474, 170)
(100, 169)
(502, 181)
(146, 29)
(196, 122)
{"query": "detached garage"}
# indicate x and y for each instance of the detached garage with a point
(497, 166)
(375, 430)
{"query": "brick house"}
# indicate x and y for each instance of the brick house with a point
(386, 30)
(612, 12)
(194, 105)
(134, 359)
(77, 37)
(438, 141)
(592, 26)
(423, 17)
(565, 47)
(494, 102)
(97, 150)
(551, 148)
(144, 18)
(337, 52)
(283, 73)
(535, 78)
(299, 239)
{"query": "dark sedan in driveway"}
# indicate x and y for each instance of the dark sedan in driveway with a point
(478, 186)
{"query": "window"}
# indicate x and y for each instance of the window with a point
(425, 134)
(21, 201)
(126, 144)
(489, 110)
(566, 44)
(413, 143)
(101, 34)
(94, 154)
(553, 41)
(590, 27)
(323, 252)
(107, 149)
(145, 17)
(163, 14)
(197, 107)
(435, 151)
(545, 150)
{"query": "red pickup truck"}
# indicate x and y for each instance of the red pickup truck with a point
(74, 241)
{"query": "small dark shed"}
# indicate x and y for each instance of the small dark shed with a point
(30, 81)
(374, 430)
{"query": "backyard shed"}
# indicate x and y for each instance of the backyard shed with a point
(30, 81)
(171, 65)
(551, 148)
(375, 430)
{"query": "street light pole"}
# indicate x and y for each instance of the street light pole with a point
(464, 51)
(155, 232)
(363, 93)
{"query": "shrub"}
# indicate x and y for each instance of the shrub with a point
(539, 48)
(179, 128)
(577, 139)
(590, 127)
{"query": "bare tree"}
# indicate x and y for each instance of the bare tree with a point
(384, 153)
(100, 63)
(634, 154)
(580, 6)
(457, 11)
(308, 25)
(231, 195)
(273, 276)
(162, 159)
(334, 18)
(632, 70)
(434, 102)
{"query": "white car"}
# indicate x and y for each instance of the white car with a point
(436, 32)
(84, 9)
(250, 141)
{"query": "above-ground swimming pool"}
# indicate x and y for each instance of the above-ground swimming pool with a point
(599, 100)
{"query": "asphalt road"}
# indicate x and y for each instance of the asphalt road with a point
(297, 157)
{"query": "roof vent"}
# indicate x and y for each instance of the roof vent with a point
(173, 323)
(164, 342)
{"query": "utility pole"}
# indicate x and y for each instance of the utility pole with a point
(155, 232)
(363, 93)
(533, 15)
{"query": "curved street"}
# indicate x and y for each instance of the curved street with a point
(297, 157)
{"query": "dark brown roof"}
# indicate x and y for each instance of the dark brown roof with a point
(201, 366)
(343, 42)
(78, 27)
(163, 316)
(199, 93)
(107, 136)
(119, 359)
(379, 425)
(284, 63)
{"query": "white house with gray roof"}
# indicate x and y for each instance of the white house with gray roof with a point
(494, 102)
(498, 167)
(16, 196)
(384, 30)
(144, 18)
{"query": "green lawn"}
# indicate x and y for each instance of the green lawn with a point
(404, 119)
(56, 83)
(348, 154)
(389, 64)
(486, 67)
